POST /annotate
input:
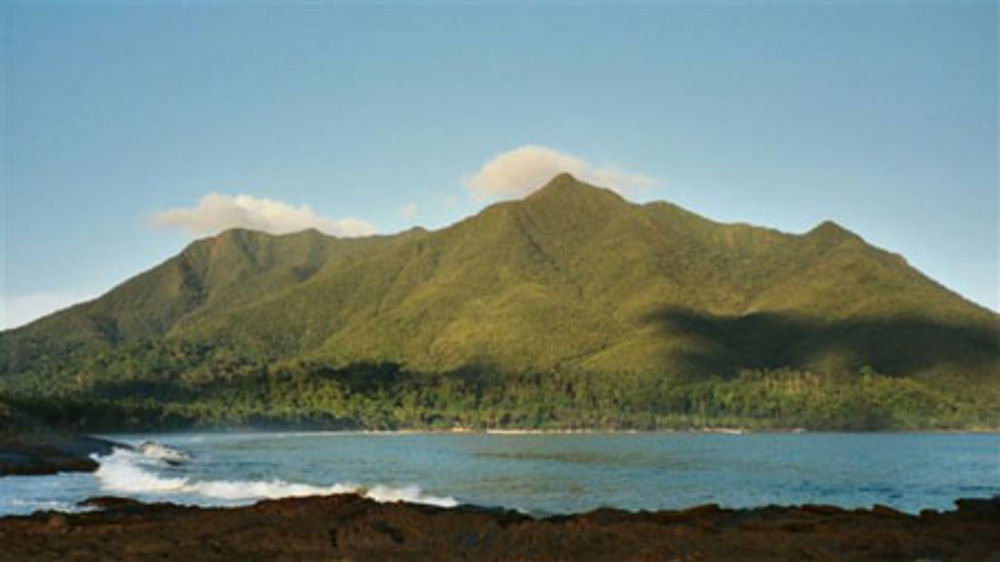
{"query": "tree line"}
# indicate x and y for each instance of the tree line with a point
(153, 386)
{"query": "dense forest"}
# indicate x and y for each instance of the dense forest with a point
(150, 386)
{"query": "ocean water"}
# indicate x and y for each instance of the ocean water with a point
(540, 473)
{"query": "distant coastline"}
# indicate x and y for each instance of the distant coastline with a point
(500, 432)
(35, 452)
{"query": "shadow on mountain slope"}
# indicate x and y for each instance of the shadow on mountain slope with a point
(901, 346)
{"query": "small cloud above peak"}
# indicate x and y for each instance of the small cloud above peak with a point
(519, 172)
(216, 212)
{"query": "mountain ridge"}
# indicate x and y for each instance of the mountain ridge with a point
(568, 276)
(569, 308)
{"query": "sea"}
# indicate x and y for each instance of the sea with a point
(539, 474)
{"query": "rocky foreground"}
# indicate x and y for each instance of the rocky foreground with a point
(349, 527)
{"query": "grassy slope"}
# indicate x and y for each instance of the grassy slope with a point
(576, 277)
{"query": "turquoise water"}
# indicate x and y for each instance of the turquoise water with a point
(543, 474)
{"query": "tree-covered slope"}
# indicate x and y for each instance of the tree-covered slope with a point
(572, 281)
(573, 277)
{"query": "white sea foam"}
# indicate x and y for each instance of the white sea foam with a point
(17, 506)
(131, 473)
(412, 494)
(155, 450)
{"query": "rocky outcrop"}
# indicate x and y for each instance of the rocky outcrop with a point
(49, 454)
(349, 527)
(28, 446)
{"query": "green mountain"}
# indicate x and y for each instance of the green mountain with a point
(572, 281)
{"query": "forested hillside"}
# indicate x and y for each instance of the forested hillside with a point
(571, 307)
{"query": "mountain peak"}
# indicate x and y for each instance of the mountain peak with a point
(564, 177)
(829, 230)
(559, 182)
(830, 226)
(565, 185)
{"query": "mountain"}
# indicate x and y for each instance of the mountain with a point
(571, 279)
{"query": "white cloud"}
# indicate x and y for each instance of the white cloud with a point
(216, 212)
(17, 310)
(409, 211)
(522, 170)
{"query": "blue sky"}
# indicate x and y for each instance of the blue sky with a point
(118, 120)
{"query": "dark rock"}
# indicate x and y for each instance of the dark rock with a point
(821, 509)
(929, 513)
(886, 511)
(48, 452)
(349, 527)
(110, 502)
(28, 446)
(977, 507)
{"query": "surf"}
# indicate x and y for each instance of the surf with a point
(132, 472)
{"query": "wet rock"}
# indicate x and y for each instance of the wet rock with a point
(110, 502)
(975, 507)
(886, 511)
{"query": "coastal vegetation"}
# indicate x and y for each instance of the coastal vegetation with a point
(169, 392)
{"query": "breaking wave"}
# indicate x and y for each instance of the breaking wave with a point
(155, 450)
(132, 473)
(17, 506)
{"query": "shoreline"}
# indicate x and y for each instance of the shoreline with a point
(528, 431)
(52, 452)
(350, 527)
